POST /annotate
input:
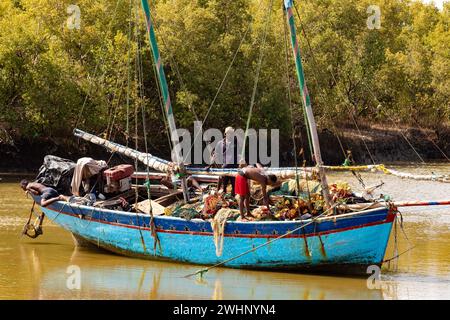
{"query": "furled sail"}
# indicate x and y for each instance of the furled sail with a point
(151, 161)
(162, 165)
(165, 166)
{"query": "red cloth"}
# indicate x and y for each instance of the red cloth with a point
(241, 186)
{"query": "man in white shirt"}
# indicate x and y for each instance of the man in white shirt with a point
(227, 155)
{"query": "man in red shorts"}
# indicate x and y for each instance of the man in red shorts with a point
(242, 188)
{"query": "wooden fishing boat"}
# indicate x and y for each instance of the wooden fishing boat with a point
(338, 242)
(346, 243)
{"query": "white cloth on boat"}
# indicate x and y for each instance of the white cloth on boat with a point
(227, 151)
(218, 226)
(84, 169)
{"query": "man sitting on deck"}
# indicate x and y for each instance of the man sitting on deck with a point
(257, 174)
(48, 195)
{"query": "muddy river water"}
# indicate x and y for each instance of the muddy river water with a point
(41, 268)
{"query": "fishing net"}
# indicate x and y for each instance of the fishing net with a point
(218, 226)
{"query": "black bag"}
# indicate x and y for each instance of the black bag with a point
(56, 173)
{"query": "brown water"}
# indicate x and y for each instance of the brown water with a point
(37, 269)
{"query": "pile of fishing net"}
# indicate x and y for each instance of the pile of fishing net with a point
(303, 199)
(293, 201)
(304, 187)
(340, 191)
(299, 209)
(186, 211)
(204, 209)
(261, 213)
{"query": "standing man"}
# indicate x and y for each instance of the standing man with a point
(227, 148)
(257, 174)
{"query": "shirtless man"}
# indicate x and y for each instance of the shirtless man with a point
(257, 174)
(48, 195)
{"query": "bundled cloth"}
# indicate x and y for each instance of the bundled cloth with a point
(84, 169)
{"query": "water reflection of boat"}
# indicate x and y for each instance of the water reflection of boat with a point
(133, 279)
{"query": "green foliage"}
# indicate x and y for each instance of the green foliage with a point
(53, 78)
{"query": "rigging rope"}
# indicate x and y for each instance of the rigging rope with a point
(255, 86)
(144, 129)
(223, 80)
(289, 94)
(340, 92)
(434, 143)
(127, 132)
(175, 64)
(136, 107)
(388, 116)
(97, 65)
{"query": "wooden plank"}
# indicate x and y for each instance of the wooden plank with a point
(144, 207)
(170, 198)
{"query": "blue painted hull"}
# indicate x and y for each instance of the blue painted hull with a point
(345, 244)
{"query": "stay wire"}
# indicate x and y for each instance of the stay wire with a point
(289, 94)
(136, 112)
(389, 117)
(288, 91)
(161, 103)
(177, 70)
(96, 66)
(342, 95)
(223, 80)
(127, 129)
(258, 70)
(147, 184)
(324, 98)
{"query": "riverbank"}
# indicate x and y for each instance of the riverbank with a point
(382, 144)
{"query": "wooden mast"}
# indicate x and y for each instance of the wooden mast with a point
(166, 97)
(307, 102)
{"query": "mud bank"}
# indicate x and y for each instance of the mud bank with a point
(385, 145)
